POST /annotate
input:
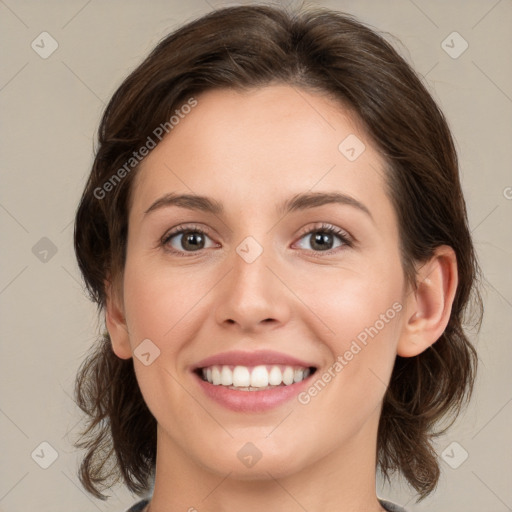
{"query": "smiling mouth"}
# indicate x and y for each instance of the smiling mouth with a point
(254, 378)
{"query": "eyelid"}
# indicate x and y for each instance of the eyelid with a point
(183, 228)
(346, 238)
(330, 228)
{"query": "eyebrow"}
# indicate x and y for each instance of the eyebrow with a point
(302, 201)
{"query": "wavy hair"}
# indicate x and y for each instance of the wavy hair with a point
(315, 49)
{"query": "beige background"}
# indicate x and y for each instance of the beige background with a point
(50, 109)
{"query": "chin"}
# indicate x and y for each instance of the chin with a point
(258, 460)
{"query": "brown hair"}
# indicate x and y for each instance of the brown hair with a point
(336, 55)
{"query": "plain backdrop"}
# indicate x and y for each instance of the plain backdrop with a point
(50, 110)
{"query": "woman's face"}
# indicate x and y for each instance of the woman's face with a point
(259, 281)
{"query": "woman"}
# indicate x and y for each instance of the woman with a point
(275, 231)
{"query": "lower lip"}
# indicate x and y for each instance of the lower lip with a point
(252, 401)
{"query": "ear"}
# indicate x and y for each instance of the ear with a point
(116, 321)
(428, 308)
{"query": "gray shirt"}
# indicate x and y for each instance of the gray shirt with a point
(390, 507)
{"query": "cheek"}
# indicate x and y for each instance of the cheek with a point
(159, 301)
(159, 307)
(347, 304)
(362, 318)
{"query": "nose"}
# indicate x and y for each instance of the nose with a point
(252, 296)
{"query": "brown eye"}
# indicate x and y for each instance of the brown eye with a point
(322, 239)
(186, 239)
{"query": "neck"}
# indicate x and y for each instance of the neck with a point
(343, 480)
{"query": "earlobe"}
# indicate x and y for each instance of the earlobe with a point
(116, 323)
(428, 308)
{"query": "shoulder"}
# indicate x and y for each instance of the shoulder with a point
(138, 506)
(391, 507)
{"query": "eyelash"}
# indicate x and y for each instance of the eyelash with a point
(345, 238)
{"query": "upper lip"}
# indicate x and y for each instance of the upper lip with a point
(261, 357)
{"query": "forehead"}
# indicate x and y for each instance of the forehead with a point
(255, 147)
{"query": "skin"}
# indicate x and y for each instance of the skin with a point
(251, 151)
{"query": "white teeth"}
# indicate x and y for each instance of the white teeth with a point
(259, 377)
(215, 376)
(275, 377)
(241, 377)
(298, 375)
(254, 378)
(226, 376)
(288, 375)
